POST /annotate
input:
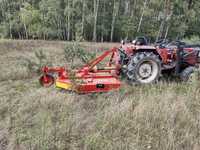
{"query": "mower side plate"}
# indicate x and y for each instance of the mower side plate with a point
(64, 85)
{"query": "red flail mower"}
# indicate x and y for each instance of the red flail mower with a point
(88, 79)
(139, 62)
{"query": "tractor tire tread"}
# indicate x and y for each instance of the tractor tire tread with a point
(185, 74)
(135, 59)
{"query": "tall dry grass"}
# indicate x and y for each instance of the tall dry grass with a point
(164, 116)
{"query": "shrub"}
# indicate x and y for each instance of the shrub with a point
(75, 54)
(192, 40)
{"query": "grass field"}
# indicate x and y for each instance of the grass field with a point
(165, 116)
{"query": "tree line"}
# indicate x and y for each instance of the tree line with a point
(98, 20)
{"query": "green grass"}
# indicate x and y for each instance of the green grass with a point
(164, 116)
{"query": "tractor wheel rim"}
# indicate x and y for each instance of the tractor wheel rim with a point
(192, 78)
(145, 70)
(148, 72)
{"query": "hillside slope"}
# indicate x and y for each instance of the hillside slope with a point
(158, 117)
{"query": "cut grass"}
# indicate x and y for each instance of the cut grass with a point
(157, 117)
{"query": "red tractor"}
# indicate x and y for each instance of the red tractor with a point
(138, 61)
(144, 63)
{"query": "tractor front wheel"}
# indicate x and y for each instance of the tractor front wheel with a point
(144, 68)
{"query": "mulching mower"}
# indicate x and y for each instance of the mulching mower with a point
(88, 79)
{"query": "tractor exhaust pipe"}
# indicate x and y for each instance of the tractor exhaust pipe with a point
(179, 59)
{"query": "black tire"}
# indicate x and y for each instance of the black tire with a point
(186, 74)
(144, 68)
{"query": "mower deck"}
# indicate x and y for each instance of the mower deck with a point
(90, 84)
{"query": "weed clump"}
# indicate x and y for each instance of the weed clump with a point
(76, 55)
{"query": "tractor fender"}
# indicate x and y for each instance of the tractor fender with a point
(152, 50)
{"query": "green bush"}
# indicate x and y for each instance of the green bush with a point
(192, 40)
(74, 53)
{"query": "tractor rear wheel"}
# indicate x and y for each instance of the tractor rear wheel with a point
(144, 68)
(188, 74)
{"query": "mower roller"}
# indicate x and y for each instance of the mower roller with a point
(139, 62)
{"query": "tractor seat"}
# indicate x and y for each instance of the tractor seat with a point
(141, 41)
